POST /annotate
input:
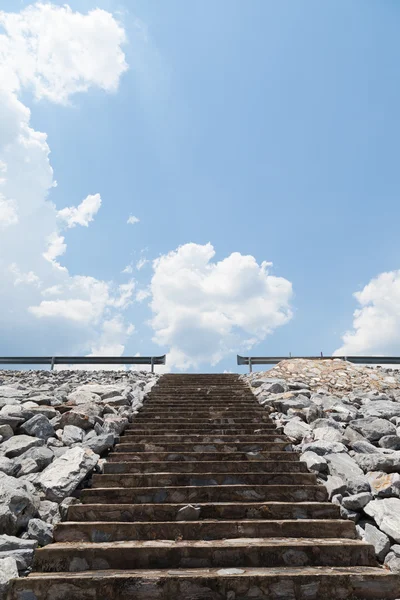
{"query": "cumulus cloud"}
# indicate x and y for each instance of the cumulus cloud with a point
(204, 310)
(57, 52)
(132, 220)
(376, 323)
(82, 214)
(8, 212)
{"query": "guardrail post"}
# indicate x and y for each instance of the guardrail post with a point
(52, 363)
(152, 364)
(250, 365)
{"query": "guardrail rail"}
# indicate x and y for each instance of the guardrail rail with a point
(83, 360)
(360, 360)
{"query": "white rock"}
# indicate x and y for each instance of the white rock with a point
(379, 540)
(384, 484)
(64, 474)
(18, 503)
(386, 513)
(8, 571)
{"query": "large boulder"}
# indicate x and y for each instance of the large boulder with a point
(388, 463)
(296, 429)
(384, 484)
(386, 513)
(20, 549)
(8, 571)
(64, 474)
(19, 444)
(381, 408)
(38, 426)
(18, 503)
(373, 428)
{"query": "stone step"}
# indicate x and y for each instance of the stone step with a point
(236, 466)
(205, 423)
(220, 510)
(203, 446)
(202, 530)
(200, 456)
(227, 553)
(283, 583)
(194, 438)
(213, 493)
(200, 416)
(180, 433)
(127, 480)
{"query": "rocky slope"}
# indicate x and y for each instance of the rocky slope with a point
(344, 419)
(54, 429)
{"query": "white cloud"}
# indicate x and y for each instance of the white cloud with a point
(54, 52)
(141, 263)
(376, 324)
(8, 211)
(125, 292)
(142, 295)
(82, 214)
(27, 278)
(128, 269)
(132, 220)
(58, 52)
(56, 247)
(204, 310)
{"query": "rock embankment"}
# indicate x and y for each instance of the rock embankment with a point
(54, 429)
(344, 419)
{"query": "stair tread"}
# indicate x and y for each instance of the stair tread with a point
(240, 542)
(207, 572)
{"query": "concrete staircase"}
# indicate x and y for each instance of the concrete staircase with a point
(264, 529)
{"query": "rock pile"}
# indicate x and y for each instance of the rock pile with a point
(344, 419)
(54, 428)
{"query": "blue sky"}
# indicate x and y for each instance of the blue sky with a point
(268, 129)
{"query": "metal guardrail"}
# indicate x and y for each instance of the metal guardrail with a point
(83, 360)
(360, 360)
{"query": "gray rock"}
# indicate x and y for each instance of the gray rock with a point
(8, 466)
(363, 447)
(65, 504)
(18, 503)
(384, 485)
(328, 434)
(357, 501)
(26, 467)
(6, 431)
(373, 428)
(390, 441)
(378, 462)
(72, 434)
(40, 531)
(352, 515)
(314, 462)
(392, 560)
(334, 486)
(350, 436)
(104, 392)
(381, 408)
(38, 426)
(64, 474)
(115, 425)
(8, 571)
(323, 448)
(188, 513)
(100, 443)
(118, 401)
(386, 513)
(83, 397)
(288, 400)
(379, 540)
(19, 444)
(343, 466)
(49, 512)
(77, 419)
(7, 391)
(20, 549)
(296, 429)
(42, 456)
